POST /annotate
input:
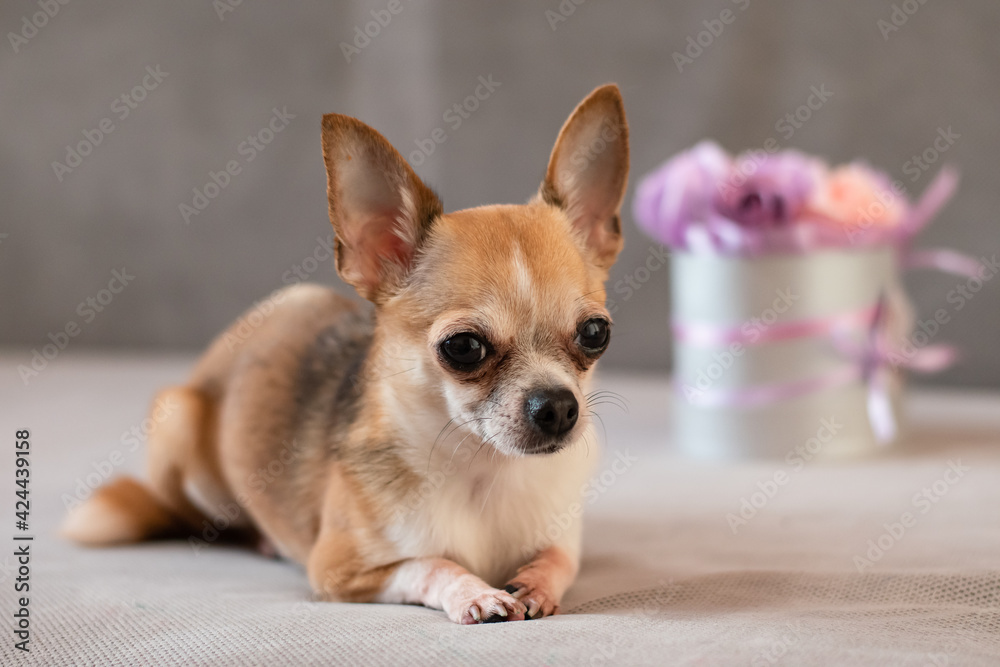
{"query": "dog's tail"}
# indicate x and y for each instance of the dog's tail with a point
(121, 512)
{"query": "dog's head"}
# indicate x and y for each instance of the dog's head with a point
(499, 309)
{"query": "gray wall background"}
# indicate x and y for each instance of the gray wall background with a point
(119, 207)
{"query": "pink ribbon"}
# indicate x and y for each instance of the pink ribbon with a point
(707, 335)
(764, 394)
(873, 354)
(942, 259)
(934, 198)
(873, 362)
(936, 195)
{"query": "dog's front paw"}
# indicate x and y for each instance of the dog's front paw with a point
(537, 600)
(487, 606)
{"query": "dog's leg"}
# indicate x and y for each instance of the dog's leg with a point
(541, 583)
(178, 450)
(341, 569)
(437, 583)
(126, 510)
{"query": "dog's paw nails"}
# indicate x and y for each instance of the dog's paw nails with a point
(536, 600)
(540, 609)
(492, 607)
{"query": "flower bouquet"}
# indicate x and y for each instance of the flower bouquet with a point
(791, 327)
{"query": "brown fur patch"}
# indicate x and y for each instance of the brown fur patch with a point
(120, 512)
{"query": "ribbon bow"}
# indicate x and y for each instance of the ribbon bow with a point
(877, 359)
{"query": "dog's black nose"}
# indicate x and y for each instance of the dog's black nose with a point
(552, 411)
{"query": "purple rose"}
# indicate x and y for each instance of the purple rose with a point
(703, 199)
(681, 192)
(768, 190)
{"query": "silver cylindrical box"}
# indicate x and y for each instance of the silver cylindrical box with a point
(720, 384)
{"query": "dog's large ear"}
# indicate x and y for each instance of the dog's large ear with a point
(380, 209)
(588, 172)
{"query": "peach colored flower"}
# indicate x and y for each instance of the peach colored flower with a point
(856, 196)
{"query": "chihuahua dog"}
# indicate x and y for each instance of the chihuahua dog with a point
(351, 443)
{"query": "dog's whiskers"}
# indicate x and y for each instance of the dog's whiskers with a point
(434, 444)
(485, 442)
(586, 441)
(383, 377)
(591, 413)
(442, 433)
(581, 298)
(459, 445)
(605, 392)
(490, 490)
(492, 401)
(605, 396)
(612, 403)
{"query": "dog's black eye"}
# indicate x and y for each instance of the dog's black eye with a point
(463, 351)
(593, 335)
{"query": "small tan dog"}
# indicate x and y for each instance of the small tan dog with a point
(353, 447)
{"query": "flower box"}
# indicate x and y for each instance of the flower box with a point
(789, 317)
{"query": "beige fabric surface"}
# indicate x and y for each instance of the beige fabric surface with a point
(664, 581)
